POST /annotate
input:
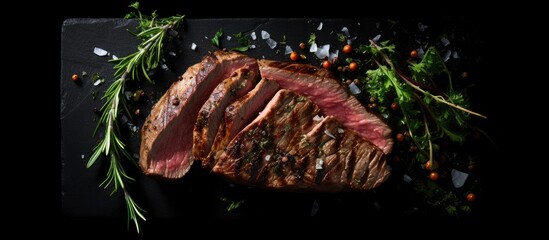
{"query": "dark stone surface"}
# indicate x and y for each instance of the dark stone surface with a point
(197, 195)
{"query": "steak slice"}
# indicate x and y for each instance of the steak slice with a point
(167, 135)
(238, 114)
(346, 159)
(324, 89)
(209, 117)
(285, 148)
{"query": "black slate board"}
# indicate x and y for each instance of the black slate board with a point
(198, 194)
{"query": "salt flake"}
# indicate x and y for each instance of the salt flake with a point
(193, 46)
(354, 89)
(319, 162)
(458, 178)
(100, 52)
(445, 41)
(345, 32)
(323, 51)
(271, 43)
(288, 50)
(406, 178)
(447, 55)
(376, 38)
(319, 27)
(265, 35)
(313, 48)
(329, 134)
(254, 37)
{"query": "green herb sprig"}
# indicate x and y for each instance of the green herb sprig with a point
(429, 114)
(152, 31)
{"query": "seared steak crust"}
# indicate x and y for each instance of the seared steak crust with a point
(284, 148)
(323, 88)
(211, 113)
(238, 114)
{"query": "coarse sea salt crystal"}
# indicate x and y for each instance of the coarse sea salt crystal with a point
(329, 134)
(458, 178)
(345, 32)
(406, 178)
(447, 55)
(455, 55)
(376, 38)
(333, 56)
(354, 89)
(267, 157)
(420, 53)
(114, 57)
(271, 43)
(323, 51)
(313, 48)
(288, 50)
(445, 41)
(96, 83)
(193, 46)
(164, 66)
(265, 35)
(128, 94)
(317, 118)
(340, 130)
(252, 46)
(254, 37)
(319, 163)
(229, 37)
(100, 52)
(319, 26)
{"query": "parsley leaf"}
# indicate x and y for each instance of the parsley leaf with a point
(244, 42)
(215, 39)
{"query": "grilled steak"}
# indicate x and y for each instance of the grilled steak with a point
(285, 148)
(212, 111)
(167, 135)
(238, 114)
(323, 89)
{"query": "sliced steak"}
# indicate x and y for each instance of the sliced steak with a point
(324, 89)
(167, 135)
(284, 148)
(345, 159)
(211, 114)
(238, 114)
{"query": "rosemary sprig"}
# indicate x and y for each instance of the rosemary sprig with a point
(152, 32)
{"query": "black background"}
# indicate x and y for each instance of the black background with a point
(485, 27)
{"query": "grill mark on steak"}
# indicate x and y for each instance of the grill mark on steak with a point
(166, 138)
(211, 113)
(323, 88)
(237, 115)
(267, 154)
